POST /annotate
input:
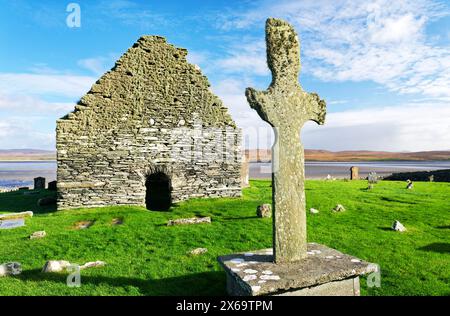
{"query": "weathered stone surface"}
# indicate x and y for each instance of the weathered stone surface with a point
(152, 113)
(83, 224)
(94, 264)
(39, 183)
(198, 251)
(10, 268)
(46, 201)
(256, 274)
(339, 208)
(56, 266)
(38, 235)
(189, 221)
(62, 265)
(409, 185)
(16, 215)
(286, 107)
(354, 173)
(397, 226)
(347, 287)
(264, 210)
(313, 211)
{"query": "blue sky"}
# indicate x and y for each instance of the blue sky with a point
(382, 66)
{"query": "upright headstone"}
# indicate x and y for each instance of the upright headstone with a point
(354, 173)
(52, 185)
(292, 266)
(39, 183)
(372, 177)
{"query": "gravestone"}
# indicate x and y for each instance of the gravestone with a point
(39, 183)
(292, 266)
(372, 177)
(52, 185)
(354, 173)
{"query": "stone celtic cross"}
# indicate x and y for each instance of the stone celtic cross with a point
(286, 107)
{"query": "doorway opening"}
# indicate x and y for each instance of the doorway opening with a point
(158, 195)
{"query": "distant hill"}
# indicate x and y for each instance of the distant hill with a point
(359, 155)
(266, 155)
(26, 154)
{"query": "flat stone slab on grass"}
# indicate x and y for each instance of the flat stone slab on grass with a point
(83, 224)
(255, 273)
(16, 215)
(12, 223)
(189, 221)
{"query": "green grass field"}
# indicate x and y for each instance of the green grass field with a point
(145, 257)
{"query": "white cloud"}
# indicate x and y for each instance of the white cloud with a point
(98, 65)
(382, 41)
(34, 105)
(71, 86)
(21, 132)
(420, 125)
(411, 127)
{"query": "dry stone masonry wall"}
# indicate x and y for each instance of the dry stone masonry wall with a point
(153, 112)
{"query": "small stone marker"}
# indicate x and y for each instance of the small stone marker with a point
(52, 185)
(189, 221)
(313, 211)
(56, 266)
(198, 251)
(94, 264)
(264, 210)
(39, 183)
(83, 224)
(431, 178)
(38, 235)
(295, 267)
(397, 226)
(409, 186)
(10, 268)
(354, 173)
(339, 208)
(52, 266)
(372, 177)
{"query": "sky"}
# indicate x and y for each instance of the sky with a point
(383, 67)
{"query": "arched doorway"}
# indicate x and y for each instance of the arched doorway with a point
(158, 196)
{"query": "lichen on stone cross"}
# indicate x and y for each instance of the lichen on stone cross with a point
(286, 107)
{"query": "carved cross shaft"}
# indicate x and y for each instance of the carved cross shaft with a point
(286, 107)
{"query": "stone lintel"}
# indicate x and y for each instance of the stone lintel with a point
(325, 271)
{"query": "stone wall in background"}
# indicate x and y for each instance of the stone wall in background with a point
(153, 112)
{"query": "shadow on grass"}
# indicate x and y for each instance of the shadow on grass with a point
(388, 199)
(204, 284)
(386, 228)
(20, 201)
(440, 247)
(443, 227)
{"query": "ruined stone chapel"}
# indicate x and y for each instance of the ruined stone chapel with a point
(150, 133)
